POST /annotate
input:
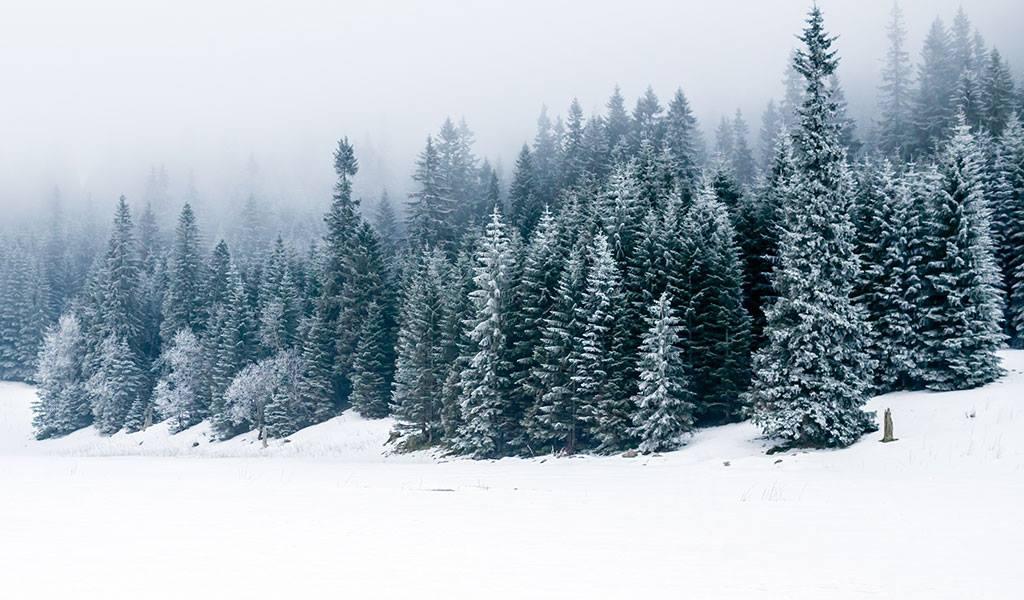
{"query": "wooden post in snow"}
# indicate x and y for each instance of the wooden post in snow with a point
(887, 427)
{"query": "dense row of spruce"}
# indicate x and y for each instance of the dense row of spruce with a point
(625, 290)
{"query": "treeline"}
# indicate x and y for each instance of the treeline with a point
(627, 288)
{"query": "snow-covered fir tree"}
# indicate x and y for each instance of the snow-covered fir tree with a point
(707, 280)
(373, 366)
(114, 386)
(961, 303)
(557, 420)
(1008, 199)
(183, 302)
(537, 290)
(810, 379)
(664, 402)
(888, 285)
(682, 140)
(181, 395)
(597, 362)
(419, 370)
(488, 421)
(63, 404)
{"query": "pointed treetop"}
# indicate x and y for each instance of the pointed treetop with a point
(345, 163)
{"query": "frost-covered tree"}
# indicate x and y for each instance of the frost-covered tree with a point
(742, 158)
(386, 224)
(183, 302)
(894, 102)
(682, 141)
(116, 309)
(888, 285)
(647, 120)
(556, 421)
(181, 395)
(537, 291)
(524, 209)
(664, 402)
(23, 307)
(961, 305)
(759, 217)
(456, 347)
(260, 398)
(230, 342)
(1008, 198)
(618, 126)
(316, 349)
(574, 162)
(284, 412)
(715, 326)
(419, 370)
(279, 301)
(933, 112)
(373, 365)
(996, 102)
(63, 404)
(597, 363)
(367, 277)
(489, 420)
(430, 207)
(113, 386)
(772, 128)
(810, 379)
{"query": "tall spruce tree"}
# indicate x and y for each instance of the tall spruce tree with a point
(558, 419)
(183, 302)
(313, 389)
(715, 326)
(758, 218)
(810, 379)
(996, 102)
(419, 370)
(682, 140)
(961, 304)
(182, 393)
(118, 294)
(647, 121)
(231, 339)
(373, 365)
(664, 402)
(113, 386)
(618, 126)
(63, 405)
(772, 129)
(537, 291)
(573, 152)
(489, 420)
(1008, 196)
(933, 112)
(431, 206)
(894, 102)
(742, 158)
(598, 364)
(524, 207)
(887, 226)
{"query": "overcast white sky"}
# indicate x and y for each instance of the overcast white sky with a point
(95, 92)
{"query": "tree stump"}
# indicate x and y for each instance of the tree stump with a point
(887, 427)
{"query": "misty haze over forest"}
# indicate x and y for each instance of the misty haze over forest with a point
(234, 97)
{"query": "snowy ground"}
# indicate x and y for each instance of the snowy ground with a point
(937, 514)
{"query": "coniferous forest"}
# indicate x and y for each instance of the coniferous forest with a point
(631, 281)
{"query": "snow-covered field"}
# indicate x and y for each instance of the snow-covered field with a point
(937, 514)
